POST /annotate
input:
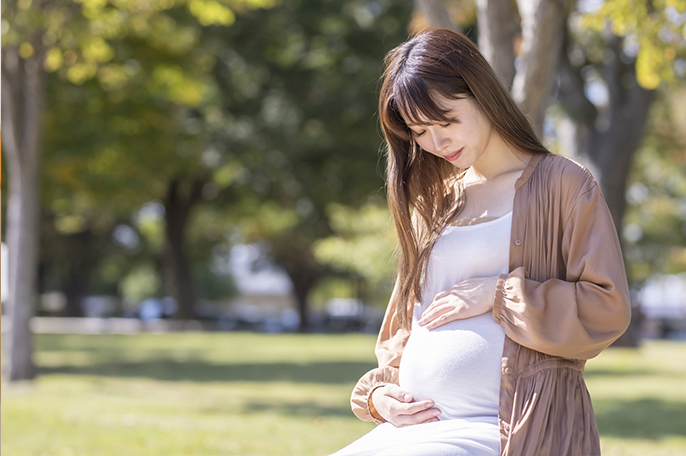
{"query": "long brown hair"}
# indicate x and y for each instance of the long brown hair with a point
(444, 63)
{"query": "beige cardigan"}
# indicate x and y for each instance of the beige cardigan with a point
(565, 299)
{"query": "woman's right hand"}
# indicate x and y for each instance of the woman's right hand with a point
(399, 408)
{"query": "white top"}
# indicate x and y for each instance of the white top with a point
(457, 365)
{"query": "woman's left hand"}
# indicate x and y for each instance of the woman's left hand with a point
(469, 298)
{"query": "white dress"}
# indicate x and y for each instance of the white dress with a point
(456, 365)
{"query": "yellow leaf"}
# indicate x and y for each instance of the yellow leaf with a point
(25, 50)
(53, 60)
(81, 72)
(210, 12)
(645, 71)
(97, 50)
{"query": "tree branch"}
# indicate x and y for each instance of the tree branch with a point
(613, 68)
(570, 92)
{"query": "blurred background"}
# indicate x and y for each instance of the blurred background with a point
(196, 247)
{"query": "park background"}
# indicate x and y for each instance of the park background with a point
(196, 245)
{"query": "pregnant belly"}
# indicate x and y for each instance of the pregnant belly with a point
(456, 365)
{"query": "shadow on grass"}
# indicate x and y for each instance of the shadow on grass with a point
(641, 418)
(624, 372)
(198, 371)
(306, 409)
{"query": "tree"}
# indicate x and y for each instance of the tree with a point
(23, 79)
(297, 86)
(75, 39)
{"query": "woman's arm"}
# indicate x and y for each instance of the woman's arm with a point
(581, 315)
(389, 347)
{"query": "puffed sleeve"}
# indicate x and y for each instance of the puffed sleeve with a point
(581, 315)
(389, 348)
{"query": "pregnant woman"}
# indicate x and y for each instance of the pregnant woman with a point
(510, 273)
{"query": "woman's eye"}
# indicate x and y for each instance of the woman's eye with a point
(445, 125)
(418, 134)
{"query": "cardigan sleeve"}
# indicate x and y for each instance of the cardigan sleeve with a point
(389, 347)
(580, 315)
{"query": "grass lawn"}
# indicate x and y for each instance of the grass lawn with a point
(254, 394)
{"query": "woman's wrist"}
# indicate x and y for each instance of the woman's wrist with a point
(372, 410)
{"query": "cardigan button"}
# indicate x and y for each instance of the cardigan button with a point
(518, 241)
(507, 371)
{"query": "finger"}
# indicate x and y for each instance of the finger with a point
(431, 314)
(442, 320)
(441, 295)
(442, 316)
(421, 417)
(432, 420)
(414, 407)
(398, 394)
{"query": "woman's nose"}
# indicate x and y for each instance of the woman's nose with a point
(440, 141)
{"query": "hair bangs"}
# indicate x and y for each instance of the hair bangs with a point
(415, 104)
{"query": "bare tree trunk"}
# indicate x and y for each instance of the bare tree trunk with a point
(177, 214)
(436, 14)
(81, 264)
(303, 278)
(605, 143)
(543, 29)
(496, 34)
(22, 92)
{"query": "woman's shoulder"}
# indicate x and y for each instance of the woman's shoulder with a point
(566, 174)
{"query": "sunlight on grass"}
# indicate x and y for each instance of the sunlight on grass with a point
(639, 398)
(253, 394)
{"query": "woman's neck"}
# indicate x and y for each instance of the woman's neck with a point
(497, 159)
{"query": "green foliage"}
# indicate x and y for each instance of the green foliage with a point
(298, 105)
(141, 283)
(655, 227)
(363, 244)
(656, 27)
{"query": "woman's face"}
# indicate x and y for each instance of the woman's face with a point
(462, 141)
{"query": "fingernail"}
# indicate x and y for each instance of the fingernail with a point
(436, 412)
(407, 397)
(429, 404)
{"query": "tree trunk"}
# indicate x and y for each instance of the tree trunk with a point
(22, 92)
(496, 34)
(78, 276)
(436, 14)
(543, 29)
(304, 278)
(606, 143)
(177, 211)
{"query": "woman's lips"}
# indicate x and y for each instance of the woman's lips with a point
(453, 156)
